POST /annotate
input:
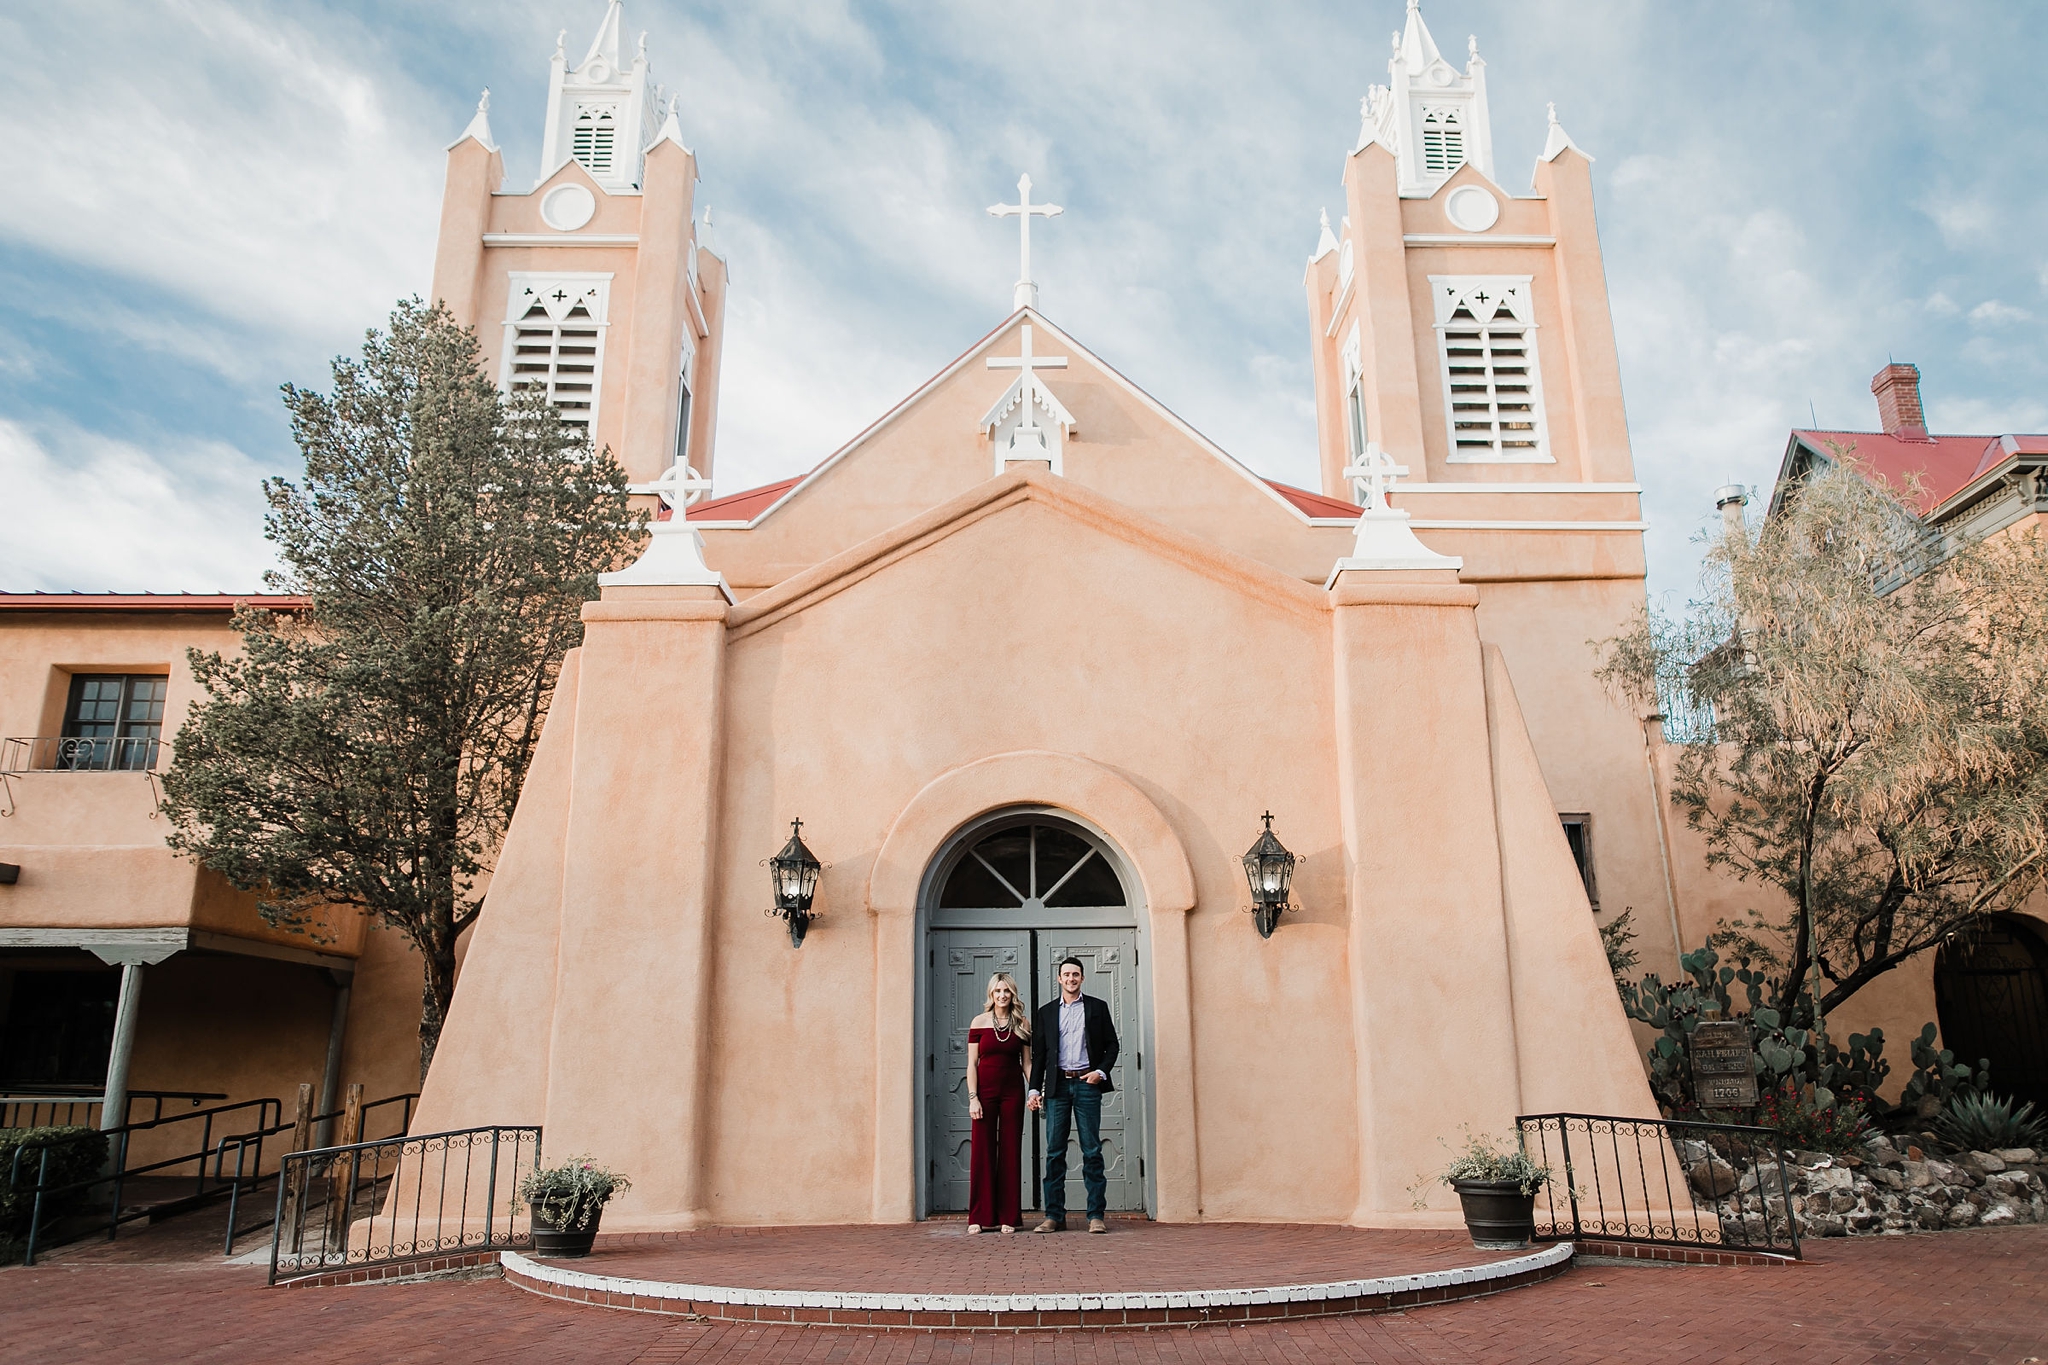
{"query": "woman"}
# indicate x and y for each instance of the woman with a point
(998, 1064)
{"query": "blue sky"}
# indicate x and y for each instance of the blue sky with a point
(205, 199)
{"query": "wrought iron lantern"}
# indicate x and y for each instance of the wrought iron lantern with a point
(1269, 867)
(795, 873)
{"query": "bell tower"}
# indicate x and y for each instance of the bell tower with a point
(595, 285)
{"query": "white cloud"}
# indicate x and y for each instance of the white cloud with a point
(1994, 313)
(1942, 305)
(93, 514)
(260, 169)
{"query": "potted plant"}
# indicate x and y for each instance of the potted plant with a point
(1497, 1186)
(567, 1201)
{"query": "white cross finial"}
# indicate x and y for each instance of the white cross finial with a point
(680, 486)
(1028, 441)
(1024, 210)
(1373, 474)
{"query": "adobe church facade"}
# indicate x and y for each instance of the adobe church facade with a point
(1032, 660)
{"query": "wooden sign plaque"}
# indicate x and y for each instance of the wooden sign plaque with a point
(1723, 1075)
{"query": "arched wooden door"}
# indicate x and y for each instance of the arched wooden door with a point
(1017, 893)
(1991, 994)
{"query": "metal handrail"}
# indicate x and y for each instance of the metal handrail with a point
(241, 1143)
(37, 1098)
(429, 1180)
(266, 1126)
(1627, 1180)
(121, 1171)
(79, 754)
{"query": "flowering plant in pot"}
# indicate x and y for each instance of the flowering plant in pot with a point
(1497, 1186)
(567, 1202)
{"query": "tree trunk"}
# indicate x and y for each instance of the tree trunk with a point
(435, 994)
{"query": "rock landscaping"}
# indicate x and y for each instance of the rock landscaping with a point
(1881, 1189)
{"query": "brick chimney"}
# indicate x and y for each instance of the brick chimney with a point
(1898, 402)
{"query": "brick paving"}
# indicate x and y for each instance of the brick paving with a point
(1975, 1296)
(938, 1257)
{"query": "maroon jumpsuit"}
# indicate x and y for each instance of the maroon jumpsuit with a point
(992, 1186)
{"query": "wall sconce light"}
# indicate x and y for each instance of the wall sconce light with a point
(1269, 867)
(795, 874)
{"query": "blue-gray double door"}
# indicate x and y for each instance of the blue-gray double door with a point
(959, 962)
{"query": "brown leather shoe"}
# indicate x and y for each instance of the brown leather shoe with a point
(1097, 1225)
(1050, 1225)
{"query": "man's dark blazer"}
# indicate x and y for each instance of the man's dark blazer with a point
(1045, 1045)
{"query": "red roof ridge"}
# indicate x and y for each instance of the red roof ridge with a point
(1313, 504)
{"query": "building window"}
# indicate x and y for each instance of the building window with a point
(1354, 398)
(591, 140)
(554, 341)
(683, 415)
(56, 1027)
(1578, 832)
(1443, 141)
(113, 721)
(1493, 396)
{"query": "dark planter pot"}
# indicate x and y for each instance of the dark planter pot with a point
(1497, 1214)
(551, 1242)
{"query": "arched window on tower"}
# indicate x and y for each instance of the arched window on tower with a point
(1443, 141)
(591, 141)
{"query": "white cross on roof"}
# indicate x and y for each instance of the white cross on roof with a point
(1024, 210)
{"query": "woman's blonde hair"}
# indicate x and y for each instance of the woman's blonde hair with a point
(1020, 1018)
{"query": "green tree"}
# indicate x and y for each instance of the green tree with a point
(368, 751)
(1879, 747)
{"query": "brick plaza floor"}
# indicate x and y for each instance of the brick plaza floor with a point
(1979, 1295)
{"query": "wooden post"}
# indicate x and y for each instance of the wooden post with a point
(292, 1210)
(342, 1174)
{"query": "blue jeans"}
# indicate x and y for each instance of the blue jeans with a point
(1080, 1104)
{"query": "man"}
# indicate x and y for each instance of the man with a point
(1076, 1050)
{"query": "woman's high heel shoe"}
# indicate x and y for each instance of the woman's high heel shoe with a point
(973, 1228)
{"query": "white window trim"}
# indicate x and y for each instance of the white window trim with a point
(592, 288)
(1515, 294)
(1353, 416)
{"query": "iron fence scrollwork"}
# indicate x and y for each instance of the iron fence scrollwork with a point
(1662, 1182)
(400, 1199)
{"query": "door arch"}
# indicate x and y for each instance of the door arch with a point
(1991, 996)
(1017, 890)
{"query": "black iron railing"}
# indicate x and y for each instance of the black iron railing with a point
(402, 1199)
(248, 1148)
(1662, 1182)
(28, 1176)
(78, 754)
(30, 1106)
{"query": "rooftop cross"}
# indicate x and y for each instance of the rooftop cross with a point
(1373, 475)
(1025, 210)
(680, 486)
(1028, 441)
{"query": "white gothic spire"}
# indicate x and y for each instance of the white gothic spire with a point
(603, 112)
(1431, 115)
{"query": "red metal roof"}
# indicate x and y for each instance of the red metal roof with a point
(1946, 464)
(1313, 504)
(743, 506)
(147, 601)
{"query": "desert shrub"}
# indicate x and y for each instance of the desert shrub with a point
(1975, 1121)
(75, 1154)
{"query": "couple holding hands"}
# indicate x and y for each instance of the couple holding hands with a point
(1065, 1075)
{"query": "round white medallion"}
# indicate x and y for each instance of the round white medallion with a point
(1440, 76)
(1472, 208)
(567, 207)
(596, 72)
